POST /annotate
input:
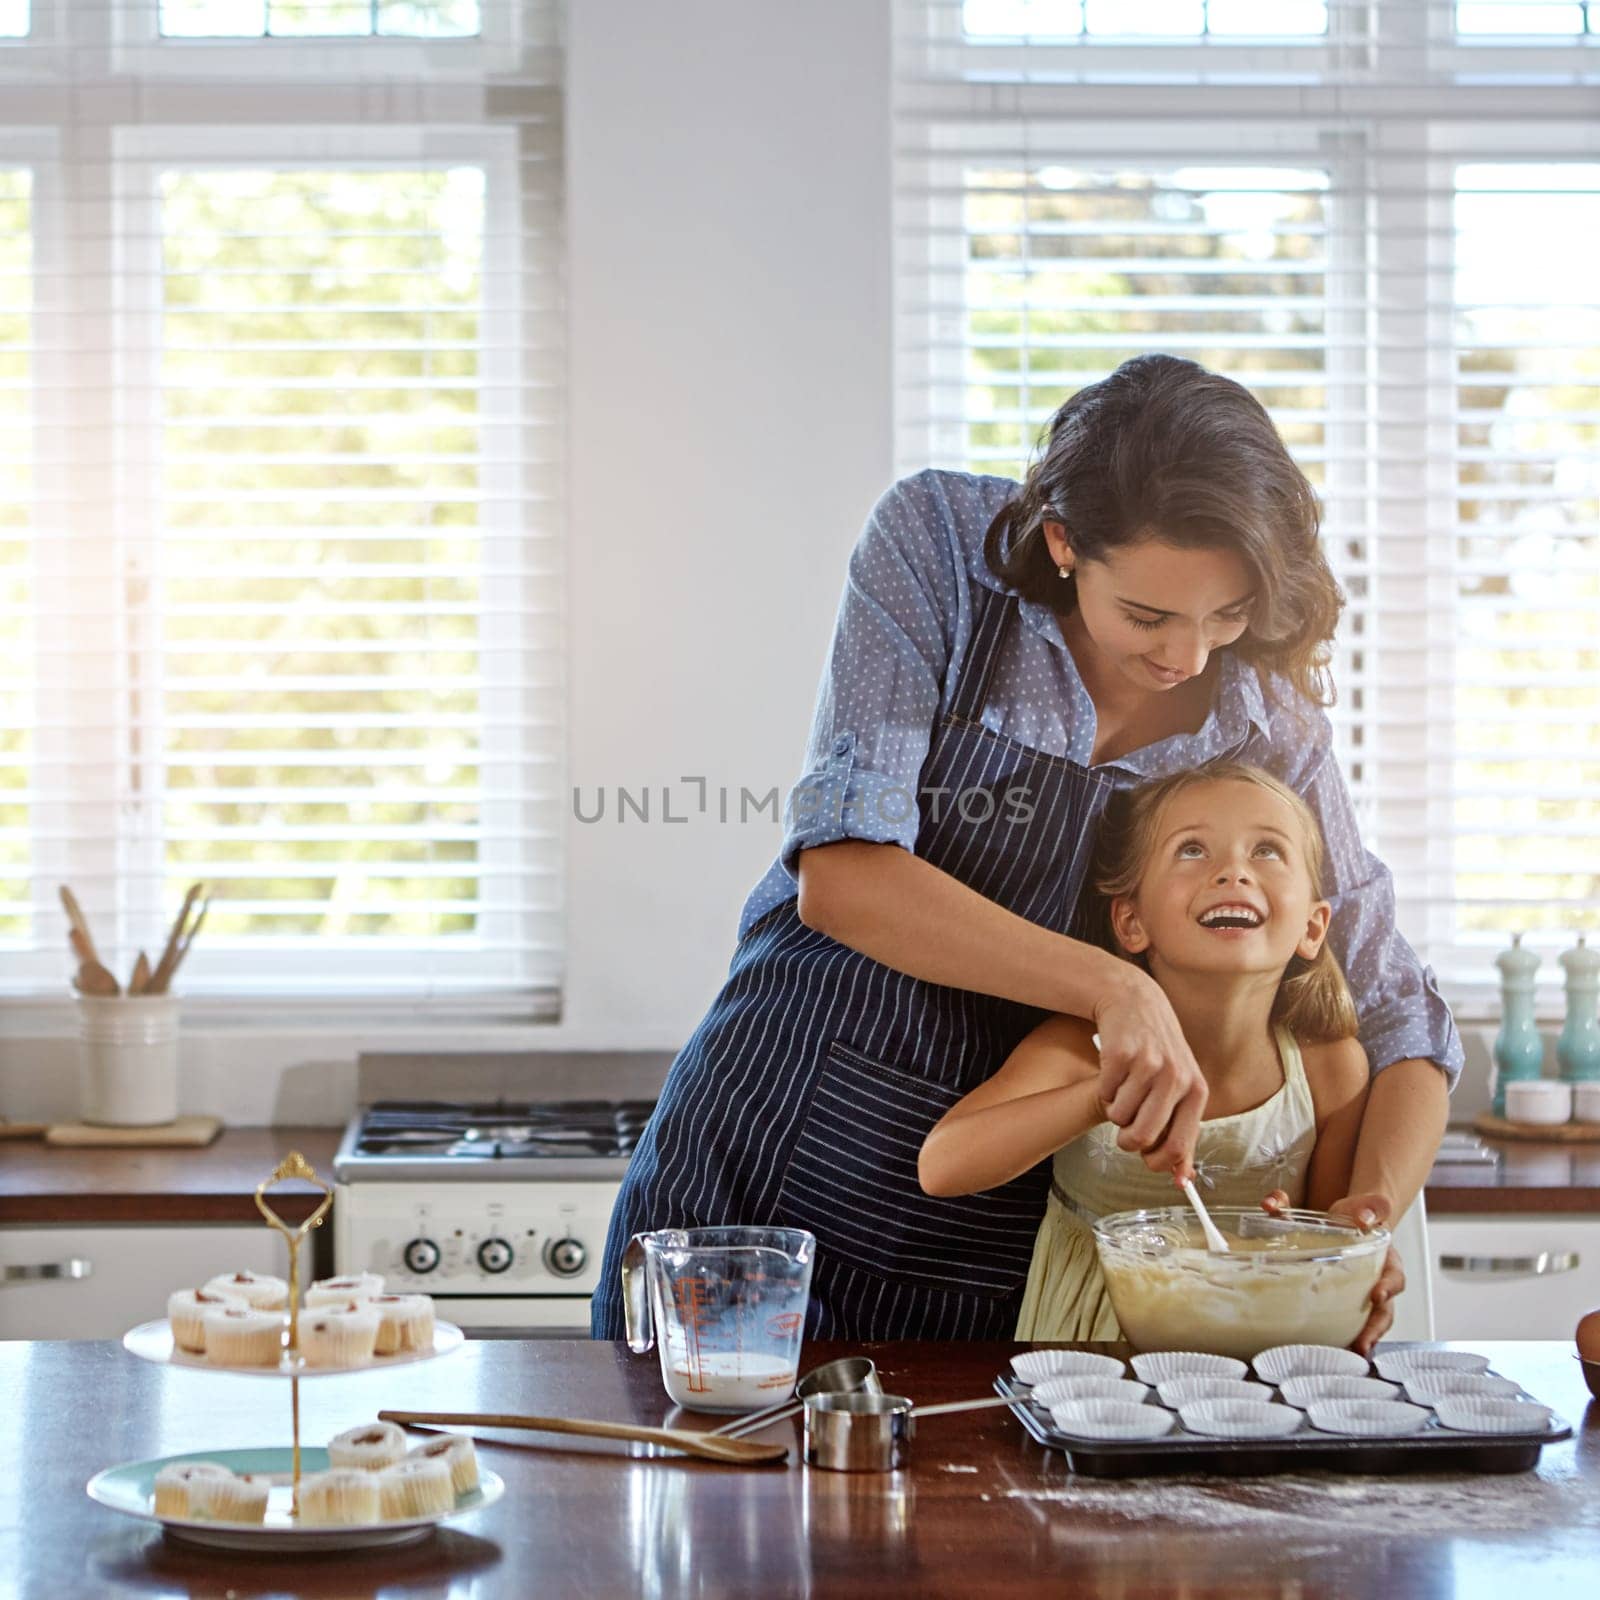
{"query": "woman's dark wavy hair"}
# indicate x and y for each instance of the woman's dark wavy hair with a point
(1162, 448)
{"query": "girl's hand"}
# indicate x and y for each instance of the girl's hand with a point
(1367, 1211)
(1149, 1082)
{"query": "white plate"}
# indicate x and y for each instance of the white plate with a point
(152, 1341)
(130, 1489)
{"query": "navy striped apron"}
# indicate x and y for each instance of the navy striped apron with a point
(804, 1095)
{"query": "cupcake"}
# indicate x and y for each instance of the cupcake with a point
(236, 1336)
(175, 1485)
(457, 1450)
(338, 1336)
(265, 1294)
(229, 1499)
(372, 1447)
(419, 1486)
(339, 1291)
(340, 1496)
(407, 1323)
(186, 1311)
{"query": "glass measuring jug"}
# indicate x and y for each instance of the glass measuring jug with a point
(726, 1308)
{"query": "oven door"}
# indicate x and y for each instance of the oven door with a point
(517, 1316)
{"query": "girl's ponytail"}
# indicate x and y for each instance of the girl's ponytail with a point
(1313, 1000)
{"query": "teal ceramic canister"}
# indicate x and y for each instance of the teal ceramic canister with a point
(1518, 1049)
(1578, 1048)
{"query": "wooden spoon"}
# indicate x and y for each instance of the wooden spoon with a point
(709, 1446)
(141, 974)
(91, 977)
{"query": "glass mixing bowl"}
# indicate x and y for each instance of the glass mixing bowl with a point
(1302, 1277)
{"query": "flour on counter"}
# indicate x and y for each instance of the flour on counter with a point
(1325, 1503)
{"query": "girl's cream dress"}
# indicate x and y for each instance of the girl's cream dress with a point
(1238, 1159)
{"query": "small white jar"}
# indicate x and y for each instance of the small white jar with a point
(1543, 1102)
(128, 1060)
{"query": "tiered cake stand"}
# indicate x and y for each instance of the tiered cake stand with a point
(130, 1488)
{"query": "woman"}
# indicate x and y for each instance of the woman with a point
(1153, 597)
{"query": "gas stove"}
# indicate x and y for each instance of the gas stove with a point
(492, 1142)
(498, 1208)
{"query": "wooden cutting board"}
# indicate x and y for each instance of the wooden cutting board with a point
(191, 1131)
(1546, 1132)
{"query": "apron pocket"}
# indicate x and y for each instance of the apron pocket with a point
(852, 1180)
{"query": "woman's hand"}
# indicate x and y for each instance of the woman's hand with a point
(1367, 1211)
(1149, 1082)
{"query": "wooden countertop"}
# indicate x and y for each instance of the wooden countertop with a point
(1530, 1176)
(981, 1511)
(44, 1183)
(217, 1183)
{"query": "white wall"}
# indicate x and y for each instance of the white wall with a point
(728, 187)
(729, 203)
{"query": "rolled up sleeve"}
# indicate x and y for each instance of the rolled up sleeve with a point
(880, 693)
(1402, 1014)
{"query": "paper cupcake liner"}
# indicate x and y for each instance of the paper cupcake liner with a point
(174, 1491)
(1398, 1365)
(1156, 1365)
(1306, 1391)
(1308, 1360)
(1177, 1392)
(1475, 1414)
(1240, 1419)
(417, 1487)
(229, 1499)
(1111, 1419)
(1034, 1366)
(1368, 1419)
(1425, 1388)
(459, 1452)
(1058, 1391)
(339, 1497)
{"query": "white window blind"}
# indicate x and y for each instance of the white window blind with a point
(1373, 217)
(280, 446)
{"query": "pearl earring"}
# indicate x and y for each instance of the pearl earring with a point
(1065, 571)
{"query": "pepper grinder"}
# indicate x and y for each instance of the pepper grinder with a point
(1518, 1049)
(1578, 1049)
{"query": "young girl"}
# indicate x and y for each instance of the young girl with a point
(1214, 881)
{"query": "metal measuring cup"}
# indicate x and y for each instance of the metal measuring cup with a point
(847, 1375)
(871, 1432)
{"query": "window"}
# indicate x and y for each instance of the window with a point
(1410, 297)
(280, 445)
(324, 19)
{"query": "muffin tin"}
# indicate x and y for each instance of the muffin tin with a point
(1433, 1447)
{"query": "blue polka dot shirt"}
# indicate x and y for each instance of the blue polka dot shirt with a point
(902, 629)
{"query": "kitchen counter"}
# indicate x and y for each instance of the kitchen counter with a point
(43, 1183)
(982, 1510)
(40, 1182)
(1530, 1176)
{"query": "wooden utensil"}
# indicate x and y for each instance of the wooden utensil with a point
(80, 924)
(709, 1446)
(91, 977)
(141, 974)
(175, 948)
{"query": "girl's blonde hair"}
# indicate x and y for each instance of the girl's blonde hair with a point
(1313, 1000)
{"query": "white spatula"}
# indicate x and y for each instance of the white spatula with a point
(1214, 1239)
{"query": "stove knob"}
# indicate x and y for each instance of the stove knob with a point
(494, 1255)
(566, 1258)
(421, 1255)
